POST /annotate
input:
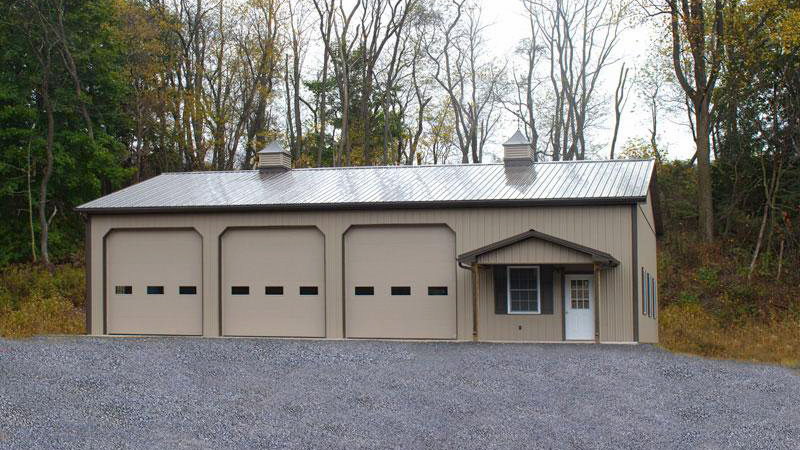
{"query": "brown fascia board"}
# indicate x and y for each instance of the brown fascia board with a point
(597, 255)
(362, 206)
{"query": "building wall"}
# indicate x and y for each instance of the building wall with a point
(606, 228)
(646, 250)
(518, 327)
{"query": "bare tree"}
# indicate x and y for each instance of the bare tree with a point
(697, 42)
(620, 100)
(523, 107)
(44, 42)
(655, 83)
(325, 24)
(340, 51)
(470, 80)
(579, 39)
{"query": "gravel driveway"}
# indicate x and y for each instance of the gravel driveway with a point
(165, 393)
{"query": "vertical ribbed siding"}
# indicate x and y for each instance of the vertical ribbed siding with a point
(535, 250)
(606, 228)
(648, 326)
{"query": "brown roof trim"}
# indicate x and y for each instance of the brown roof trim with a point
(365, 205)
(597, 256)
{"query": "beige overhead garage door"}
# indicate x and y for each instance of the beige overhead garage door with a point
(273, 282)
(154, 282)
(400, 282)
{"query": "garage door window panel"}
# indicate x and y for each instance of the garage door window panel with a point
(155, 290)
(523, 290)
(273, 290)
(123, 290)
(401, 290)
(240, 290)
(437, 290)
(187, 290)
(365, 290)
(309, 290)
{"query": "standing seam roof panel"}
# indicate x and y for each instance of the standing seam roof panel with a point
(545, 181)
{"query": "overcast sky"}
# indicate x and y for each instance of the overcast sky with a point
(509, 26)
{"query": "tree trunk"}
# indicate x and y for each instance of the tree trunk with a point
(48, 171)
(704, 193)
(30, 202)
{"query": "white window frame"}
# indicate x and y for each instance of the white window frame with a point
(538, 290)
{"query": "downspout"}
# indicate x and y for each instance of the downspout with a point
(476, 287)
(596, 303)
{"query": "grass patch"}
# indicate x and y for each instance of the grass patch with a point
(35, 301)
(690, 328)
(709, 307)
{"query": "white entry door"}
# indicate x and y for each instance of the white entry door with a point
(579, 308)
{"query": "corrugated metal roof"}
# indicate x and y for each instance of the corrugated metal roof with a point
(386, 186)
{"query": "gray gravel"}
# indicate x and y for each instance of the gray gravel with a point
(258, 393)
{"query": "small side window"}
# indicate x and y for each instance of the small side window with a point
(649, 299)
(644, 294)
(437, 290)
(309, 290)
(240, 290)
(401, 290)
(187, 290)
(365, 290)
(273, 290)
(123, 290)
(155, 290)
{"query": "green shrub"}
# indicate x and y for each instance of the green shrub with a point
(34, 300)
(41, 315)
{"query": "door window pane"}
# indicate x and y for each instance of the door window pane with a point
(579, 294)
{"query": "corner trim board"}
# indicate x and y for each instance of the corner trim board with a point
(635, 272)
(88, 274)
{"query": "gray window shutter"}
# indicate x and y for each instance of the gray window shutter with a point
(500, 303)
(546, 283)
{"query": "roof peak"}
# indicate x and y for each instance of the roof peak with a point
(273, 147)
(517, 139)
(421, 166)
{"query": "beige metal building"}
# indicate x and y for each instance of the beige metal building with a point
(514, 251)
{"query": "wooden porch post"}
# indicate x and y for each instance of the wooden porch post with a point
(476, 289)
(596, 289)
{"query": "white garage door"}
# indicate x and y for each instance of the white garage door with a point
(400, 282)
(154, 282)
(273, 282)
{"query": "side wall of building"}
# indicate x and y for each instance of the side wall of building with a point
(606, 228)
(647, 264)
